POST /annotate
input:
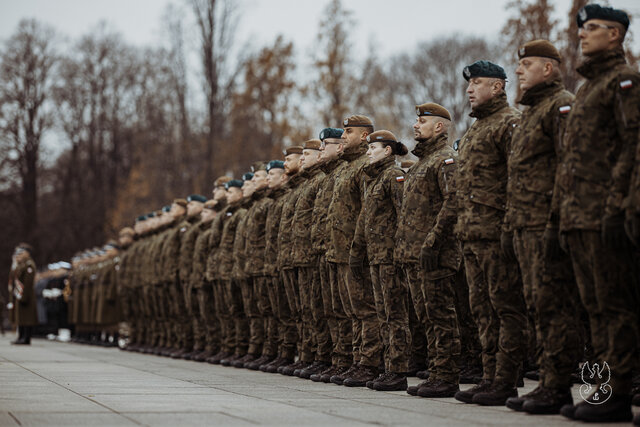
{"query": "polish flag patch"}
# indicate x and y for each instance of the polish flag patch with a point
(400, 178)
(627, 84)
(449, 161)
(564, 109)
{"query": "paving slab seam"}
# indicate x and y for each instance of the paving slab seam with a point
(14, 418)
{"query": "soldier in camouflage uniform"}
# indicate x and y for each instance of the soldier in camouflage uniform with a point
(592, 182)
(22, 293)
(549, 287)
(356, 293)
(108, 309)
(315, 336)
(375, 239)
(425, 238)
(495, 290)
(334, 315)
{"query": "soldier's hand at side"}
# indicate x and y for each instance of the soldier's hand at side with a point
(632, 227)
(551, 243)
(506, 243)
(429, 258)
(614, 235)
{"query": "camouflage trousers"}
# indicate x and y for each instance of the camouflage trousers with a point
(288, 335)
(194, 334)
(315, 325)
(181, 322)
(256, 323)
(305, 276)
(208, 318)
(551, 295)
(343, 351)
(233, 300)
(292, 291)
(367, 339)
(497, 303)
(470, 348)
(223, 313)
(608, 284)
(391, 300)
(328, 317)
(261, 286)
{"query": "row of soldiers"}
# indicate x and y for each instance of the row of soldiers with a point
(338, 266)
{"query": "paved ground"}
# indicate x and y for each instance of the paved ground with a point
(51, 384)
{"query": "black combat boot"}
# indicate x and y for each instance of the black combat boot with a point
(316, 368)
(339, 377)
(438, 388)
(273, 367)
(215, 359)
(496, 395)
(290, 369)
(466, 396)
(470, 374)
(516, 403)
(615, 410)
(325, 376)
(547, 401)
(262, 360)
(390, 381)
(423, 375)
(413, 390)
(359, 377)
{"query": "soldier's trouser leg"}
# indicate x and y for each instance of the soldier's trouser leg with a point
(272, 292)
(306, 277)
(414, 276)
(288, 328)
(256, 324)
(233, 294)
(292, 289)
(325, 341)
(190, 318)
(343, 345)
(319, 326)
(608, 284)
(391, 298)
(470, 343)
(208, 319)
(228, 336)
(551, 294)
(439, 296)
(497, 301)
(263, 305)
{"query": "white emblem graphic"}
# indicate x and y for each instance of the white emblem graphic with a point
(467, 73)
(345, 122)
(596, 373)
(418, 111)
(522, 51)
(583, 14)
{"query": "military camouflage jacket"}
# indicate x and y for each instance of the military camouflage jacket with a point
(303, 252)
(255, 232)
(285, 231)
(171, 252)
(188, 234)
(319, 230)
(239, 243)
(224, 255)
(376, 226)
(428, 212)
(213, 245)
(343, 211)
(482, 170)
(535, 148)
(200, 255)
(600, 140)
(632, 203)
(272, 226)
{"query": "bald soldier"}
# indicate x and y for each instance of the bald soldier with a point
(495, 290)
(592, 183)
(549, 288)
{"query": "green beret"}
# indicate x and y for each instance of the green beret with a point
(483, 68)
(432, 109)
(247, 176)
(357, 121)
(141, 218)
(233, 183)
(595, 11)
(166, 208)
(275, 164)
(196, 198)
(542, 48)
(333, 133)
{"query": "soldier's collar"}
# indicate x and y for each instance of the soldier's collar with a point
(372, 170)
(541, 91)
(426, 147)
(601, 62)
(493, 105)
(353, 153)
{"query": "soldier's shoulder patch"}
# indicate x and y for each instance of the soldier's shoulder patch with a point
(626, 84)
(449, 161)
(564, 109)
(400, 178)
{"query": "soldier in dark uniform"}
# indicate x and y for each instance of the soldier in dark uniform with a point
(22, 293)
(592, 183)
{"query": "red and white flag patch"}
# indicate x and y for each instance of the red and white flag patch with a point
(400, 178)
(565, 109)
(627, 84)
(449, 161)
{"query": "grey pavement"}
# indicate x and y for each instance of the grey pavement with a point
(63, 384)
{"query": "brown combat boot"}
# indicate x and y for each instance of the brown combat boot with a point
(359, 377)
(438, 388)
(496, 395)
(466, 396)
(390, 381)
(546, 401)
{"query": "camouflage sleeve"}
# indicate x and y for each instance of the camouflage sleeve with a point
(632, 203)
(562, 110)
(627, 115)
(505, 134)
(446, 218)
(358, 244)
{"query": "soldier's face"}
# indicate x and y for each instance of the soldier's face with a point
(219, 193)
(275, 177)
(125, 240)
(376, 152)
(424, 128)
(480, 90)
(177, 210)
(234, 194)
(292, 164)
(531, 72)
(330, 149)
(596, 38)
(207, 215)
(248, 188)
(259, 179)
(309, 158)
(353, 136)
(194, 208)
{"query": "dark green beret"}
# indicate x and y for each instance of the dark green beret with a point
(334, 133)
(248, 176)
(141, 218)
(275, 164)
(166, 208)
(233, 183)
(151, 214)
(595, 11)
(484, 68)
(196, 198)
(542, 48)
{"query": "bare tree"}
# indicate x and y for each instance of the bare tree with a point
(26, 76)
